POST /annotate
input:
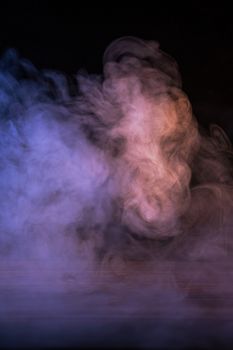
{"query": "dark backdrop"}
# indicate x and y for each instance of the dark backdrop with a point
(69, 35)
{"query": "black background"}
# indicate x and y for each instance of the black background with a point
(69, 35)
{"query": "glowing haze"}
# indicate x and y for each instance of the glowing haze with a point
(113, 173)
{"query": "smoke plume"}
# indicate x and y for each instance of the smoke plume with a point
(110, 189)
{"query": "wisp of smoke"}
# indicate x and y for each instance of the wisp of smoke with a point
(110, 182)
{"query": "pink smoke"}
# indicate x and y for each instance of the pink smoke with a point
(115, 194)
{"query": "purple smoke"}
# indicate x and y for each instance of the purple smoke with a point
(114, 198)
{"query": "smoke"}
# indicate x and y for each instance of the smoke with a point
(108, 184)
